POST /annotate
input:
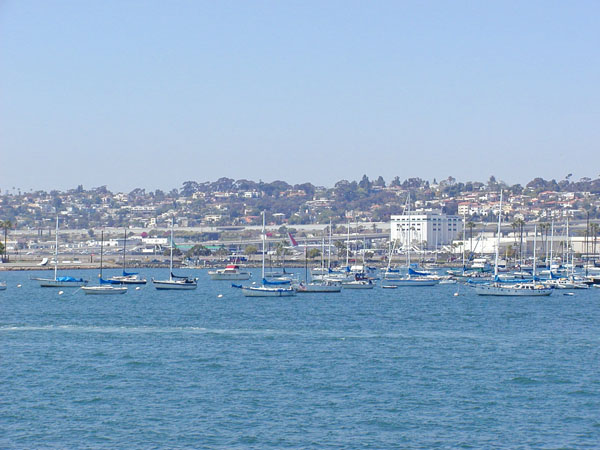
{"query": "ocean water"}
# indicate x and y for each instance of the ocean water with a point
(380, 369)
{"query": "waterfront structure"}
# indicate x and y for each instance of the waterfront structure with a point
(425, 229)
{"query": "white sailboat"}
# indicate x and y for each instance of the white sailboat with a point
(412, 278)
(360, 278)
(127, 277)
(64, 281)
(105, 287)
(529, 289)
(175, 282)
(317, 286)
(268, 288)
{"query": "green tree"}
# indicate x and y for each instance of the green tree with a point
(250, 250)
(176, 252)
(222, 252)
(198, 250)
(314, 253)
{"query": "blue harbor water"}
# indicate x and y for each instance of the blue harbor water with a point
(403, 368)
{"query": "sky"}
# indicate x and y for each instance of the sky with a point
(151, 94)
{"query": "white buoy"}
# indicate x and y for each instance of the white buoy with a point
(137, 288)
(220, 296)
(18, 285)
(456, 294)
(61, 292)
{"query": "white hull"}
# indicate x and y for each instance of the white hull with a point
(229, 276)
(128, 280)
(104, 290)
(514, 291)
(566, 284)
(413, 282)
(317, 287)
(358, 285)
(267, 292)
(2, 286)
(60, 284)
(174, 285)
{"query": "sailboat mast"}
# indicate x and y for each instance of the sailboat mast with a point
(534, 248)
(124, 243)
(551, 244)
(568, 246)
(329, 249)
(171, 261)
(409, 238)
(305, 262)
(56, 249)
(322, 254)
(101, 251)
(463, 242)
(348, 245)
(264, 237)
(498, 237)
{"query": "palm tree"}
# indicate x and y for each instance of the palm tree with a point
(470, 226)
(519, 224)
(6, 225)
(544, 227)
(594, 228)
(281, 249)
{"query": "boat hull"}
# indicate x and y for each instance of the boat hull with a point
(128, 280)
(315, 288)
(413, 283)
(229, 276)
(358, 285)
(104, 290)
(50, 283)
(261, 291)
(168, 285)
(501, 291)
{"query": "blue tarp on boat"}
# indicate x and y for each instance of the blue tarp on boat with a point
(275, 282)
(70, 279)
(414, 272)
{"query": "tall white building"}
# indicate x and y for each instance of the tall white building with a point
(425, 229)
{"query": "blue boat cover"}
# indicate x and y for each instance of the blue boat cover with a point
(70, 279)
(103, 281)
(178, 276)
(276, 282)
(128, 274)
(414, 272)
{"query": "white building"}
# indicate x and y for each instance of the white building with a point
(425, 229)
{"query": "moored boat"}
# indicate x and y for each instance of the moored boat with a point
(517, 290)
(127, 277)
(105, 287)
(175, 282)
(268, 288)
(230, 272)
(59, 282)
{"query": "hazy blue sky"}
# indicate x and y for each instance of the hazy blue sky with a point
(151, 94)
